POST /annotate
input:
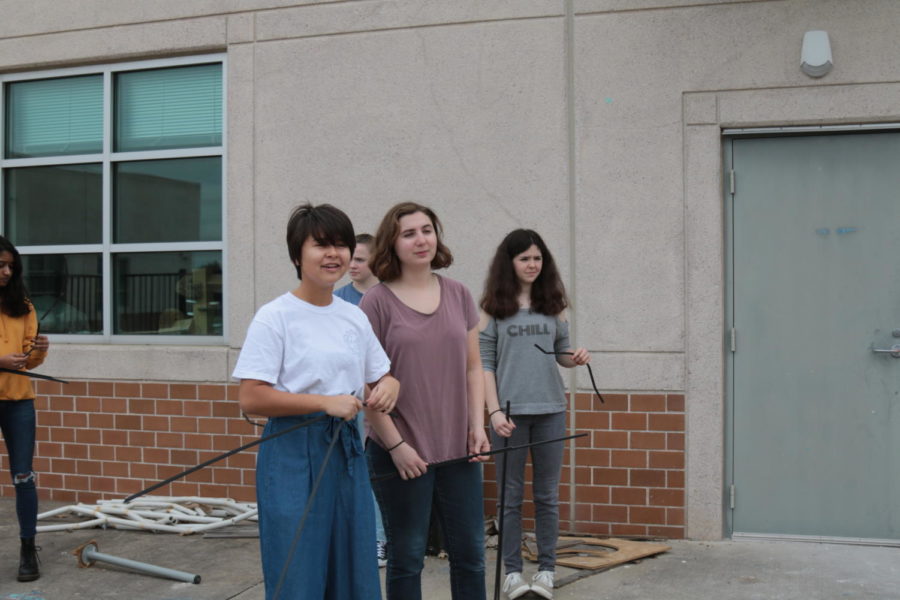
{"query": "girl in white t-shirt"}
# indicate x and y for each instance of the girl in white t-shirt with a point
(308, 353)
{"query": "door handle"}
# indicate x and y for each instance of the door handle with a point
(893, 350)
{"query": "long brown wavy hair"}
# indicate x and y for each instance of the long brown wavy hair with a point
(384, 262)
(502, 288)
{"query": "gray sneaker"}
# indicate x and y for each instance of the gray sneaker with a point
(542, 584)
(514, 586)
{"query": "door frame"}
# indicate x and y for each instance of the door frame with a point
(705, 116)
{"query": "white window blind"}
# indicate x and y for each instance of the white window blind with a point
(169, 108)
(54, 117)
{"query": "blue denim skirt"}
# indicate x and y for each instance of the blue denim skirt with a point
(334, 558)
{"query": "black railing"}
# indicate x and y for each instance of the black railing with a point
(145, 298)
(68, 303)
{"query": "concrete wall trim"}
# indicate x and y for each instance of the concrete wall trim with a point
(616, 6)
(127, 42)
(177, 364)
(359, 17)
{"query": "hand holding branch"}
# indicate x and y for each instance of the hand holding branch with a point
(501, 424)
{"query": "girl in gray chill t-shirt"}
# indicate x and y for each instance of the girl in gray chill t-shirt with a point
(523, 302)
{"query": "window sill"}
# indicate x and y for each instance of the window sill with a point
(121, 362)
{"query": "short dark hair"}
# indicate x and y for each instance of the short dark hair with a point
(365, 238)
(384, 262)
(14, 296)
(324, 223)
(501, 288)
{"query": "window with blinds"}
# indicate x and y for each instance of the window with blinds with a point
(169, 108)
(54, 117)
(112, 189)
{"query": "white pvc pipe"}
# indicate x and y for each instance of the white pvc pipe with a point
(164, 514)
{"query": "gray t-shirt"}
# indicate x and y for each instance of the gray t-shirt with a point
(428, 355)
(526, 377)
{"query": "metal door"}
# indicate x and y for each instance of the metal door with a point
(814, 301)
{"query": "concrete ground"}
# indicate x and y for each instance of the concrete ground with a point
(229, 567)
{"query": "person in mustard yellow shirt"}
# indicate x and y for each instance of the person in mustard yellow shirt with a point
(20, 348)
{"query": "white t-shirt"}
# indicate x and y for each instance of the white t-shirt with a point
(306, 349)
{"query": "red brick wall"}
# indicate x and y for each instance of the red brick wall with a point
(629, 473)
(102, 439)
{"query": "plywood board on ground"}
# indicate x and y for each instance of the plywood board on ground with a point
(597, 553)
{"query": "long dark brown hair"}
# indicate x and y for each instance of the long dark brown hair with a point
(14, 296)
(384, 262)
(501, 288)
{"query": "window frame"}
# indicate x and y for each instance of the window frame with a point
(107, 158)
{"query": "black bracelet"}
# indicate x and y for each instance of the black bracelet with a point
(395, 445)
(491, 414)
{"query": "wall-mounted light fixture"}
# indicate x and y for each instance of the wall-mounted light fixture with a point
(815, 57)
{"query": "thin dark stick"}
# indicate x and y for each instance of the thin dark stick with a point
(251, 421)
(33, 375)
(59, 298)
(222, 456)
(588, 365)
(501, 512)
(468, 457)
(306, 509)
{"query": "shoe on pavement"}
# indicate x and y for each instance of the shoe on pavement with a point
(514, 586)
(542, 584)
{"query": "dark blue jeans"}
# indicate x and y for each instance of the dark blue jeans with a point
(17, 424)
(456, 491)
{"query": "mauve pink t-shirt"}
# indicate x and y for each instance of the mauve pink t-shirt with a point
(428, 357)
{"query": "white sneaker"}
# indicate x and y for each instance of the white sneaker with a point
(381, 553)
(514, 586)
(542, 584)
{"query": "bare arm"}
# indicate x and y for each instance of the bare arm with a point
(260, 398)
(477, 441)
(383, 395)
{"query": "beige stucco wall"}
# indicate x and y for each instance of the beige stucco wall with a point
(466, 106)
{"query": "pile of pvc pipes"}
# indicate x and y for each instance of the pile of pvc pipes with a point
(184, 515)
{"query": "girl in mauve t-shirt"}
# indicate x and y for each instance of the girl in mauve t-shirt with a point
(428, 325)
